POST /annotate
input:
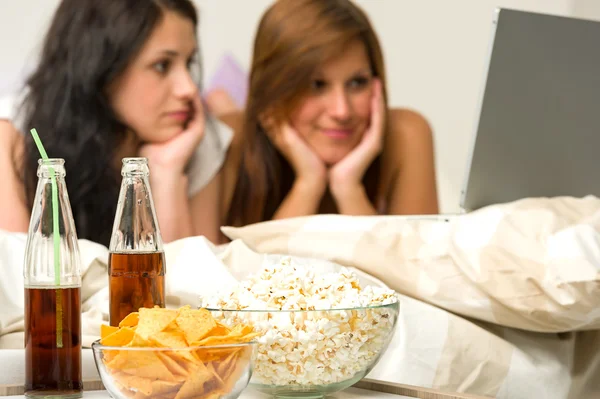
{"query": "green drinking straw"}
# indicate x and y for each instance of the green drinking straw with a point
(56, 236)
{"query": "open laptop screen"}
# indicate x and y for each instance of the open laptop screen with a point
(538, 133)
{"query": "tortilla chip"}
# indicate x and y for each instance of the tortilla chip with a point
(225, 366)
(211, 355)
(106, 330)
(142, 364)
(182, 371)
(139, 384)
(213, 385)
(194, 386)
(155, 320)
(131, 320)
(219, 330)
(226, 339)
(237, 365)
(173, 365)
(168, 339)
(120, 379)
(120, 337)
(241, 330)
(173, 340)
(195, 323)
(164, 387)
(210, 366)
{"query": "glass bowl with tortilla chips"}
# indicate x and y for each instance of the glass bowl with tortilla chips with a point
(174, 354)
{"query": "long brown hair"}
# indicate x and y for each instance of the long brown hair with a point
(294, 38)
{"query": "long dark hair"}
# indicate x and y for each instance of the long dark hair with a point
(294, 38)
(89, 44)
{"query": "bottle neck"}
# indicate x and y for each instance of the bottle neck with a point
(53, 167)
(135, 228)
(52, 253)
(135, 167)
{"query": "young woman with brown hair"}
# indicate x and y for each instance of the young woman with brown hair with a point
(317, 135)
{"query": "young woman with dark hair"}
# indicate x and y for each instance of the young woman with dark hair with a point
(116, 78)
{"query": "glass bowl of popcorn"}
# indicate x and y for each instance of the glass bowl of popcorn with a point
(319, 332)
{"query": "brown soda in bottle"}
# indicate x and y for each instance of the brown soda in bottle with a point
(136, 259)
(52, 277)
(137, 280)
(41, 309)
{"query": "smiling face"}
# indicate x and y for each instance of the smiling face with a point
(153, 95)
(334, 116)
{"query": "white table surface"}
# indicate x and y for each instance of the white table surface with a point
(350, 393)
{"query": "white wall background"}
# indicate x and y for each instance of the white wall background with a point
(589, 9)
(435, 55)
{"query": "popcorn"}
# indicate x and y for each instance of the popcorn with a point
(285, 286)
(317, 328)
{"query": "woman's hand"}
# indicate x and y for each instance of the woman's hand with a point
(346, 176)
(310, 170)
(173, 155)
(167, 162)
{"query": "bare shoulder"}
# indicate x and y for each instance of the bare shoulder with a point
(409, 134)
(11, 144)
(12, 148)
(235, 121)
(408, 129)
(409, 160)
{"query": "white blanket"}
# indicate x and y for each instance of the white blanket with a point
(463, 319)
(532, 264)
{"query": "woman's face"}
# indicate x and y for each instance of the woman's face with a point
(333, 118)
(153, 95)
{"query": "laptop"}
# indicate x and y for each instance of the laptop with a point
(538, 130)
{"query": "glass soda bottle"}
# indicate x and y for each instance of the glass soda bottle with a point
(52, 277)
(136, 265)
